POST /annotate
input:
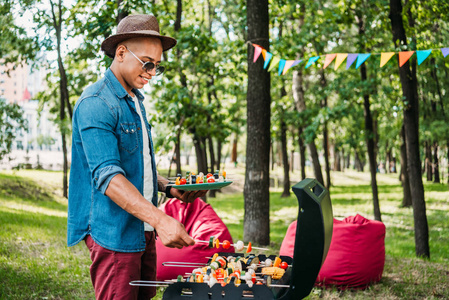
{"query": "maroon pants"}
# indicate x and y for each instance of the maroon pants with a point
(112, 271)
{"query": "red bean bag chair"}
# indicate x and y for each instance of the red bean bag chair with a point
(201, 222)
(356, 255)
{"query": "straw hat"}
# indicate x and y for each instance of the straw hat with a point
(135, 26)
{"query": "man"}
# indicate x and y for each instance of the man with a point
(113, 178)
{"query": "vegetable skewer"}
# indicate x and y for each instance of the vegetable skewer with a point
(239, 246)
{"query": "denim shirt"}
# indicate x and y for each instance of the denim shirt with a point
(106, 141)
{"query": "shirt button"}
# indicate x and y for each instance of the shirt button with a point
(127, 130)
(138, 128)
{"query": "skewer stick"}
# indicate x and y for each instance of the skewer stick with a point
(150, 283)
(183, 264)
(234, 245)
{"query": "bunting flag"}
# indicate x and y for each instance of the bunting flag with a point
(288, 65)
(268, 57)
(257, 51)
(329, 59)
(404, 56)
(422, 55)
(340, 59)
(361, 59)
(281, 66)
(385, 57)
(284, 65)
(311, 61)
(445, 51)
(274, 62)
(351, 59)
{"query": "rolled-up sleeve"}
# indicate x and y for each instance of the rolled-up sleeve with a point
(96, 122)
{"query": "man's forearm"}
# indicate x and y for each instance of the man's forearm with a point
(161, 183)
(125, 195)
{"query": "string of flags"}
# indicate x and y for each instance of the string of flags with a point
(284, 65)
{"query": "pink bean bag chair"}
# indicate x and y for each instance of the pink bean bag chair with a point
(201, 222)
(356, 255)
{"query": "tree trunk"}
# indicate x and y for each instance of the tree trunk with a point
(370, 132)
(407, 197)
(428, 161)
(257, 175)
(302, 154)
(358, 164)
(325, 134)
(212, 193)
(219, 148)
(411, 125)
(298, 95)
(63, 91)
(436, 169)
(337, 160)
(178, 153)
(211, 154)
(348, 159)
(234, 150)
(286, 191)
(371, 148)
(122, 13)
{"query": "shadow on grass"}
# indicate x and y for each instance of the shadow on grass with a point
(362, 189)
(436, 187)
(26, 190)
(20, 283)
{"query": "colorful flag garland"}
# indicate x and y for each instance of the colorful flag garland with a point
(358, 58)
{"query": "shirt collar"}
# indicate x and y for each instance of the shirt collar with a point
(119, 90)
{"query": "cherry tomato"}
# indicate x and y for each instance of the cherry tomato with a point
(210, 180)
(226, 244)
(284, 265)
(209, 175)
(183, 181)
(178, 182)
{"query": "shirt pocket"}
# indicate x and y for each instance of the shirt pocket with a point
(128, 137)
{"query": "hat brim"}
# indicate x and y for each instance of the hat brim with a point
(110, 44)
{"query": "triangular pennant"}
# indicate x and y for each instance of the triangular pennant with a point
(361, 59)
(340, 58)
(351, 59)
(296, 63)
(268, 57)
(422, 55)
(288, 65)
(385, 57)
(445, 51)
(257, 51)
(311, 61)
(281, 66)
(404, 56)
(274, 62)
(264, 53)
(329, 59)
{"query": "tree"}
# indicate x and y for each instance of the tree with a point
(11, 122)
(256, 189)
(409, 84)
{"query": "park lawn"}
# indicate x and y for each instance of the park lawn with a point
(35, 262)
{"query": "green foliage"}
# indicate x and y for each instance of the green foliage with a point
(11, 122)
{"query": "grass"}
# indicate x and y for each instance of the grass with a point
(35, 262)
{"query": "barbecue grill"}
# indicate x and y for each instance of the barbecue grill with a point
(312, 241)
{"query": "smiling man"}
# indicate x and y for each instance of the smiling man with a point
(113, 179)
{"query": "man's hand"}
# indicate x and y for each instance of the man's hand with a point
(187, 196)
(173, 234)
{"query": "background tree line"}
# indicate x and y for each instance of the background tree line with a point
(215, 95)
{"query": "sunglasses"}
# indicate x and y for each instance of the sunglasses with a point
(149, 66)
